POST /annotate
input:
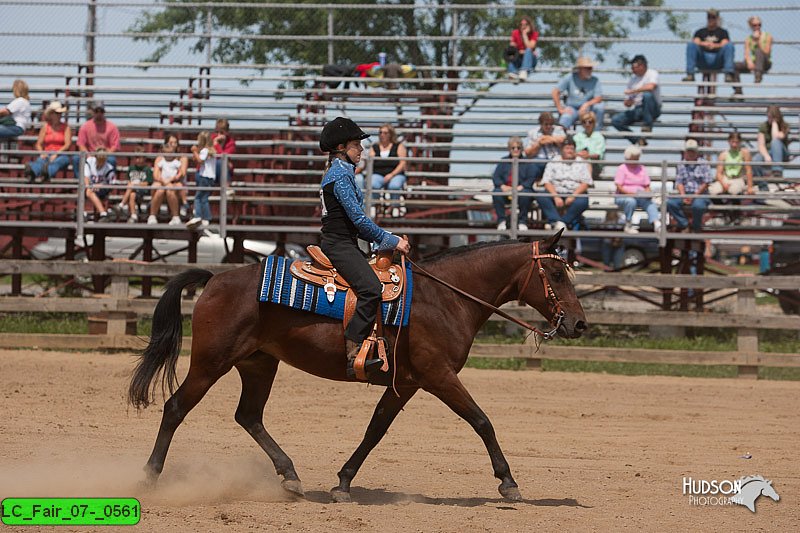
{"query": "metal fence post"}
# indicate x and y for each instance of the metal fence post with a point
(81, 194)
(454, 31)
(330, 36)
(368, 201)
(581, 16)
(223, 197)
(662, 231)
(514, 214)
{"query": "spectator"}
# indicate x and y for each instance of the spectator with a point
(632, 180)
(644, 96)
(710, 49)
(98, 172)
(95, 133)
(502, 180)
(757, 51)
(544, 143)
(773, 143)
(566, 179)
(224, 143)
(693, 176)
(389, 175)
(168, 174)
(583, 93)
(590, 144)
(733, 165)
(55, 136)
(205, 157)
(140, 178)
(523, 40)
(16, 116)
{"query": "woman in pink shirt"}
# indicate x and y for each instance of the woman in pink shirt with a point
(631, 180)
(55, 137)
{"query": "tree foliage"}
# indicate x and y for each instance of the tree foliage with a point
(250, 24)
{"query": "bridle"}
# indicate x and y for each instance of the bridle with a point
(552, 299)
(550, 295)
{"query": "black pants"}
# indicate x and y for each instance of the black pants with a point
(352, 265)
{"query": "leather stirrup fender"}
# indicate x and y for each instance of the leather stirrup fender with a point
(361, 358)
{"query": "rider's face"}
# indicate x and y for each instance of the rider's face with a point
(353, 150)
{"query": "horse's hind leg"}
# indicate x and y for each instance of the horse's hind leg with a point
(258, 373)
(191, 391)
(385, 413)
(452, 392)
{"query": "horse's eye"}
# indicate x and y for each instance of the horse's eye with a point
(558, 275)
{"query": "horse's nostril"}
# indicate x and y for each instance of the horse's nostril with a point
(580, 325)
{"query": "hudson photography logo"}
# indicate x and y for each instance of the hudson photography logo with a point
(743, 491)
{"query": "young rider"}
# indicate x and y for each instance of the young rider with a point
(343, 222)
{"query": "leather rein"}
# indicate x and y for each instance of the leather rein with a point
(552, 299)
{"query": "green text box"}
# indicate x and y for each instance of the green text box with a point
(70, 511)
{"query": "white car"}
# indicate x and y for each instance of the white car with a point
(211, 248)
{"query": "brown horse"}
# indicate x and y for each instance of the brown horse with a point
(231, 328)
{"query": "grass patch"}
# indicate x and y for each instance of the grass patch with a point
(640, 369)
(69, 323)
(496, 363)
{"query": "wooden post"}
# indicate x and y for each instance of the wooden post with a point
(747, 338)
(118, 320)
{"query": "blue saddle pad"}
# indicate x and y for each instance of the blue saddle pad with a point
(279, 286)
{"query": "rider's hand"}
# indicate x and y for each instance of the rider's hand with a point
(403, 246)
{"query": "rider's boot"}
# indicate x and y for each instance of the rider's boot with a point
(370, 365)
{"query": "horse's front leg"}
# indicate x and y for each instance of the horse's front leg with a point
(385, 413)
(451, 391)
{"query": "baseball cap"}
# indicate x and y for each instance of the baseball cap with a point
(690, 145)
(98, 104)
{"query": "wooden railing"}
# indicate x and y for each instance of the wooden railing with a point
(118, 307)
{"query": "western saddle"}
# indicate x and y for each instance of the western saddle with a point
(321, 272)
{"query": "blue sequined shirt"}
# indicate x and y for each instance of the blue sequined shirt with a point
(341, 175)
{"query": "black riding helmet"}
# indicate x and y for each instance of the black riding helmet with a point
(339, 131)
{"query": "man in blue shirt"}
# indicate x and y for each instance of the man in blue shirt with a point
(583, 93)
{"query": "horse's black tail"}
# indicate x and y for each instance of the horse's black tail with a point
(161, 354)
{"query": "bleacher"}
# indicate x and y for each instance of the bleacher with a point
(455, 129)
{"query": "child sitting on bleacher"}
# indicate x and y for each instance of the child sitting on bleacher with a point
(96, 173)
(140, 178)
(205, 157)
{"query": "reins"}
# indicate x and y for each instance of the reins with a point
(536, 261)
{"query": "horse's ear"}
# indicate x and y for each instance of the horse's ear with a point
(550, 242)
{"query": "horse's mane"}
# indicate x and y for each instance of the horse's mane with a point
(748, 479)
(460, 250)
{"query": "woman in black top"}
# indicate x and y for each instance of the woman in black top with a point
(387, 173)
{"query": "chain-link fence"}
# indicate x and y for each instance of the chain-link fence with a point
(417, 32)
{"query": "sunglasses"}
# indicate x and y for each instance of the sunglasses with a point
(515, 147)
(587, 121)
(755, 25)
(382, 132)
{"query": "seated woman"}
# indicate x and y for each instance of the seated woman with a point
(54, 136)
(773, 143)
(523, 39)
(590, 143)
(733, 168)
(502, 180)
(566, 180)
(16, 116)
(387, 174)
(631, 180)
(169, 172)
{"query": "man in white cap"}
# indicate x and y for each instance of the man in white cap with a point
(692, 177)
(583, 93)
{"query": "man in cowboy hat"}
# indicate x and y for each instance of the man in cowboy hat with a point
(583, 93)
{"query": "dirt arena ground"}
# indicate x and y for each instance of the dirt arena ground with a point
(590, 452)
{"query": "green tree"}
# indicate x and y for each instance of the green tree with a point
(252, 24)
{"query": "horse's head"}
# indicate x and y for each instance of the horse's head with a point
(550, 290)
(769, 491)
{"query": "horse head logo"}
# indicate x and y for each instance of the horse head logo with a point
(752, 488)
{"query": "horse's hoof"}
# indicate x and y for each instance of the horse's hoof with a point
(293, 486)
(511, 493)
(340, 496)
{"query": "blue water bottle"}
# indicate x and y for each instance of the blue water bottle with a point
(382, 59)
